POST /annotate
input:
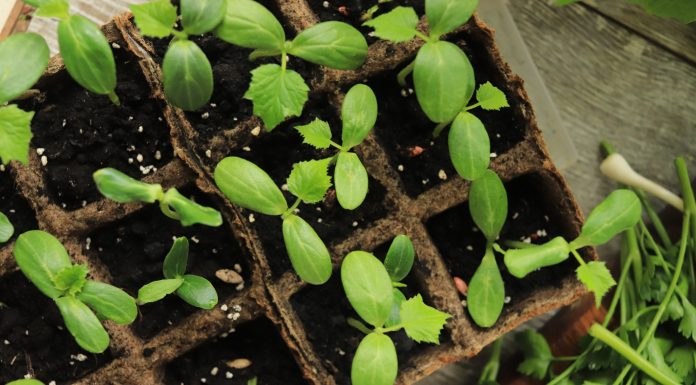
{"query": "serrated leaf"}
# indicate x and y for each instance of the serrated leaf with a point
(155, 291)
(249, 24)
(359, 114)
(71, 279)
(23, 58)
(58, 9)
(446, 15)
(597, 278)
(616, 213)
(310, 180)
(276, 94)
(247, 185)
(308, 254)
(187, 75)
(490, 97)
(397, 25)
(399, 259)
(177, 258)
(537, 354)
(351, 181)
(422, 323)
(486, 294)
(83, 324)
(121, 188)
(681, 360)
(15, 134)
(367, 286)
(155, 18)
(197, 291)
(488, 204)
(317, 133)
(375, 361)
(469, 146)
(201, 16)
(6, 228)
(333, 44)
(687, 325)
(109, 302)
(189, 212)
(41, 256)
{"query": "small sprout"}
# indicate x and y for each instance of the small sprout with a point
(239, 363)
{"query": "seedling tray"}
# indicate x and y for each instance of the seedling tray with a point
(292, 333)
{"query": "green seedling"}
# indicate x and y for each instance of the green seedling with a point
(186, 71)
(121, 188)
(83, 47)
(195, 290)
(248, 186)
(6, 228)
(369, 289)
(359, 114)
(45, 262)
(276, 91)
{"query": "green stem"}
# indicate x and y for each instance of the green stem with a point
(471, 107)
(179, 35)
(401, 77)
(166, 210)
(390, 329)
(633, 256)
(654, 219)
(607, 148)
(358, 325)
(578, 257)
(438, 129)
(291, 209)
(338, 146)
(424, 37)
(490, 371)
(259, 53)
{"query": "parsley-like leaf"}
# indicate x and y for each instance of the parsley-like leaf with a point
(681, 360)
(597, 278)
(15, 134)
(276, 94)
(490, 97)
(687, 326)
(397, 26)
(537, 354)
(421, 322)
(71, 279)
(316, 133)
(155, 18)
(310, 180)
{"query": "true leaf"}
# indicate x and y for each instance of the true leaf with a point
(249, 24)
(310, 180)
(443, 79)
(15, 134)
(6, 228)
(469, 146)
(395, 314)
(41, 256)
(71, 279)
(422, 323)
(176, 259)
(187, 75)
(399, 259)
(198, 291)
(681, 360)
(308, 254)
(83, 324)
(317, 133)
(248, 186)
(618, 212)
(190, 212)
(155, 18)
(121, 188)
(375, 361)
(332, 44)
(359, 114)
(155, 291)
(597, 278)
(687, 325)
(490, 97)
(521, 262)
(537, 354)
(367, 286)
(109, 302)
(446, 15)
(397, 25)
(276, 94)
(58, 9)
(486, 294)
(351, 181)
(201, 16)
(488, 204)
(23, 58)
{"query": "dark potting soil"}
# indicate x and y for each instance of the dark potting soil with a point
(257, 341)
(82, 132)
(134, 248)
(33, 338)
(14, 206)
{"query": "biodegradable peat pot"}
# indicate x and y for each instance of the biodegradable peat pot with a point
(293, 333)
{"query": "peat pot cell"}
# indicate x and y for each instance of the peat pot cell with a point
(222, 361)
(134, 248)
(534, 215)
(77, 132)
(14, 206)
(33, 338)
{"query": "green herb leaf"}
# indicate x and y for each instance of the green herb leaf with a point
(375, 361)
(332, 44)
(521, 262)
(440, 68)
(190, 212)
(58, 9)
(316, 133)
(248, 186)
(395, 314)
(597, 278)
(618, 212)
(276, 94)
(23, 58)
(488, 204)
(397, 25)
(351, 181)
(155, 18)
(368, 287)
(15, 134)
(446, 15)
(681, 360)
(399, 259)
(308, 254)
(687, 326)
(422, 323)
(83, 324)
(310, 180)
(490, 97)
(109, 302)
(486, 294)
(6, 228)
(201, 16)
(249, 24)
(359, 114)
(187, 75)
(177, 258)
(469, 146)
(155, 291)
(537, 354)
(71, 279)
(87, 55)
(41, 256)
(121, 188)
(198, 291)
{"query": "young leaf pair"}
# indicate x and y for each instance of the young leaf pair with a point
(359, 114)
(45, 262)
(121, 188)
(195, 290)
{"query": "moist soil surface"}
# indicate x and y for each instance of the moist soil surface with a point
(257, 341)
(134, 248)
(81, 132)
(14, 206)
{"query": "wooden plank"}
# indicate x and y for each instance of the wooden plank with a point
(9, 14)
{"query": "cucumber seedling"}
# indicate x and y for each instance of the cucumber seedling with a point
(121, 188)
(195, 290)
(247, 185)
(45, 262)
(6, 228)
(359, 114)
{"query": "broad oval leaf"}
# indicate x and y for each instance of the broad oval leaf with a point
(87, 55)
(397, 25)
(15, 134)
(488, 204)
(189, 212)
(399, 260)
(521, 262)
(446, 15)
(201, 16)
(6, 228)
(276, 93)
(187, 75)
(469, 146)
(247, 185)
(155, 18)
(57, 9)
(310, 180)
(351, 181)
(155, 291)
(109, 302)
(308, 254)
(618, 212)
(23, 58)
(249, 24)
(332, 44)
(121, 188)
(83, 324)
(177, 258)
(443, 79)
(41, 257)
(395, 314)
(375, 361)
(368, 287)
(359, 114)
(486, 294)
(198, 291)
